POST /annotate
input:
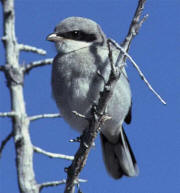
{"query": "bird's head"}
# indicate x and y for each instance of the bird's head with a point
(76, 33)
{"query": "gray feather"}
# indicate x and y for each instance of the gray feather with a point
(119, 158)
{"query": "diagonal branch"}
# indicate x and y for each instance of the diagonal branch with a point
(52, 155)
(135, 25)
(27, 48)
(36, 117)
(36, 64)
(138, 69)
(4, 142)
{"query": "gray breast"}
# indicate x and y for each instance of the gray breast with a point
(76, 86)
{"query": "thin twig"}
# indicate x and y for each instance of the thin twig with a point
(8, 114)
(143, 20)
(138, 69)
(56, 183)
(51, 184)
(27, 48)
(135, 25)
(113, 68)
(52, 155)
(79, 115)
(36, 117)
(77, 140)
(4, 142)
(36, 64)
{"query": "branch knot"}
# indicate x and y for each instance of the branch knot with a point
(14, 75)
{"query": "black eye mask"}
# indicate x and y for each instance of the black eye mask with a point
(78, 35)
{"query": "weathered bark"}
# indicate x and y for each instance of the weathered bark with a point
(15, 78)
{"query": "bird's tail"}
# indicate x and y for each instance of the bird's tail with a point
(119, 158)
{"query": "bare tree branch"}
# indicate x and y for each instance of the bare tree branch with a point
(8, 114)
(20, 123)
(52, 155)
(134, 26)
(98, 114)
(36, 117)
(139, 70)
(27, 48)
(36, 64)
(56, 183)
(4, 142)
(51, 184)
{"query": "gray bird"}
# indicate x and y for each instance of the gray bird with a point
(82, 52)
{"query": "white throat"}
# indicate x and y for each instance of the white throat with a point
(68, 45)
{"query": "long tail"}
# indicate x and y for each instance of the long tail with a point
(119, 158)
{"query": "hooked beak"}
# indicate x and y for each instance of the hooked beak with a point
(53, 37)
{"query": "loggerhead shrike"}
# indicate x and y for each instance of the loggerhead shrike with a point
(82, 52)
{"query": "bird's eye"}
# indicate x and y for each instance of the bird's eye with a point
(75, 33)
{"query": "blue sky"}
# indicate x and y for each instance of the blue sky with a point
(154, 133)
